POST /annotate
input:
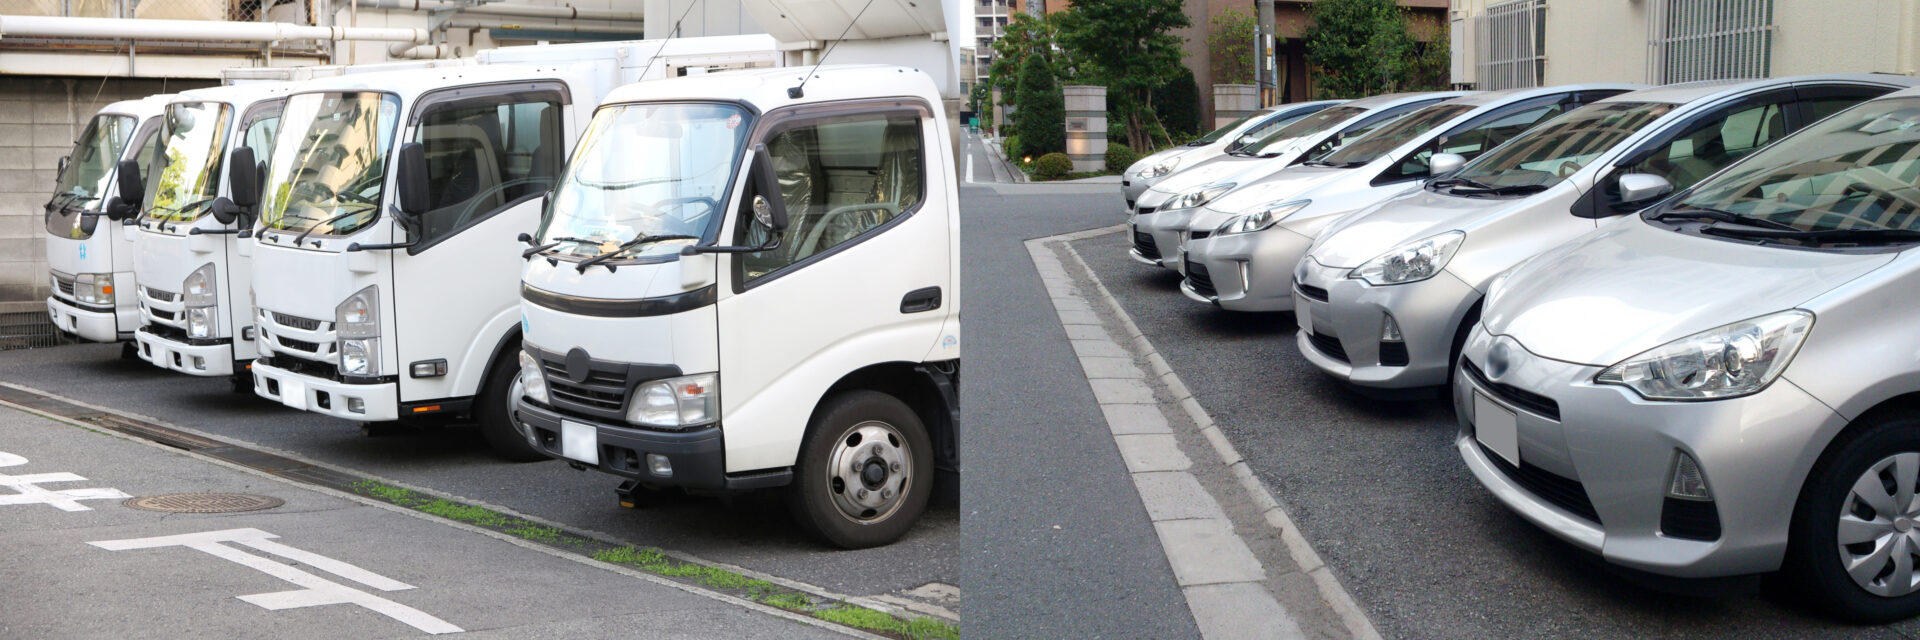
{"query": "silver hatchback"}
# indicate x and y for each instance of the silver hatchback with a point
(1726, 384)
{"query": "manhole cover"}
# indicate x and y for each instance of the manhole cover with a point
(204, 502)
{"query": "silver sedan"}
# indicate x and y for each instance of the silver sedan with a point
(1148, 171)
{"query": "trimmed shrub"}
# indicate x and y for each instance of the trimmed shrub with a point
(1011, 145)
(1041, 114)
(1120, 156)
(1053, 166)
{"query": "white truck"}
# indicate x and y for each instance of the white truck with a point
(746, 283)
(386, 268)
(91, 264)
(190, 254)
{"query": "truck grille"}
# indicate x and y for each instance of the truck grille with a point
(299, 345)
(604, 391)
(162, 296)
(66, 286)
(1200, 280)
(162, 314)
(296, 322)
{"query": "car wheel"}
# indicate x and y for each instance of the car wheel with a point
(1855, 538)
(493, 409)
(1459, 347)
(865, 471)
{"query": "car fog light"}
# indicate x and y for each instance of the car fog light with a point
(1391, 331)
(659, 465)
(1688, 482)
(356, 405)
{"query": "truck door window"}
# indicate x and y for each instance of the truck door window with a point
(88, 167)
(485, 154)
(841, 178)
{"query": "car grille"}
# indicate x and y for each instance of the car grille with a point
(1146, 210)
(1394, 354)
(1566, 493)
(1200, 280)
(162, 296)
(604, 391)
(296, 322)
(1532, 402)
(1328, 345)
(1196, 235)
(1143, 243)
(1311, 292)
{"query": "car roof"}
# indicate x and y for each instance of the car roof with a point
(1394, 99)
(1686, 92)
(1508, 95)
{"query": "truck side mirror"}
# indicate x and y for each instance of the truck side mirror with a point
(126, 204)
(243, 178)
(412, 183)
(1638, 188)
(62, 173)
(769, 209)
(1445, 163)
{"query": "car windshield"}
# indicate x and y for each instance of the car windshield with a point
(1217, 134)
(1390, 137)
(330, 182)
(186, 176)
(1547, 154)
(88, 169)
(1856, 170)
(1319, 122)
(645, 171)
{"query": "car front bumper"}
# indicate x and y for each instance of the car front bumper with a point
(378, 401)
(698, 458)
(1158, 236)
(210, 358)
(1595, 461)
(1342, 321)
(1248, 271)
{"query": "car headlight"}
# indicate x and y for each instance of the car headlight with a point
(686, 401)
(1164, 168)
(1411, 262)
(533, 382)
(1198, 198)
(199, 322)
(1268, 215)
(93, 288)
(1723, 362)
(198, 290)
(360, 356)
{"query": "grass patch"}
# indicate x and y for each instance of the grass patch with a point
(868, 619)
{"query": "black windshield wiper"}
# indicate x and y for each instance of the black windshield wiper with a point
(1827, 236)
(1717, 215)
(1505, 190)
(186, 208)
(329, 221)
(556, 242)
(1334, 165)
(624, 246)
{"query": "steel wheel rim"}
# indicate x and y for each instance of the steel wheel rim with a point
(1879, 527)
(869, 471)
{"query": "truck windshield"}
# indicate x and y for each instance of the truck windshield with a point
(193, 141)
(1547, 154)
(88, 168)
(646, 170)
(1856, 170)
(1391, 136)
(330, 182)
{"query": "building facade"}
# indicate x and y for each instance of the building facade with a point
(990, 18)
(1291, 20)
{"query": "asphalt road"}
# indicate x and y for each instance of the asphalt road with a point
(1380, 491)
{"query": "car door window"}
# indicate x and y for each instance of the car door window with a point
(1472, 141)
(1361, 129)
(1711, 145)
(842, 178)
(484, 154)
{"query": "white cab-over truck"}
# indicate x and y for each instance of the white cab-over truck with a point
(90, 261)
(190, 254)
(742, 283)
(386, 269)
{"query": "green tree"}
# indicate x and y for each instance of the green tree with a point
(1132, 43)
(1360, 47)
(1230, 47)
(1178, 104)
(1041, 121)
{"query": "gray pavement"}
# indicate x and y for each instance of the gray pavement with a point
(320, 565)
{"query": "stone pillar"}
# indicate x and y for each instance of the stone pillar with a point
(1086, 127)
(1233, 101)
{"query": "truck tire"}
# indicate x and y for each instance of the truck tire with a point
(493, 410)
(865, 471)
(1884, 447)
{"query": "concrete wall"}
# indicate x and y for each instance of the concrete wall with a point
(1596, 42)
(39, 119)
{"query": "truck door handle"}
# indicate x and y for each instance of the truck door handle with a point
(918, 300)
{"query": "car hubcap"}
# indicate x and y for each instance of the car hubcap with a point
(869, 472)
(1878, 541)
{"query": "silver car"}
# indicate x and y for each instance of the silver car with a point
(1160, 215)
(1725, 384)
(1241, 248)
(1384, 297)
(1147, 171)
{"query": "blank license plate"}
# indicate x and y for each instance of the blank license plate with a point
(1493, 426)
(293, 393)
(581, 442)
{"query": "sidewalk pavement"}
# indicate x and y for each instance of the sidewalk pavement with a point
(80, 563)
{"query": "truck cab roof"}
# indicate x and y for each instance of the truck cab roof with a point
(410, 84)
(766, 89)
(142, 108)
(235, 94)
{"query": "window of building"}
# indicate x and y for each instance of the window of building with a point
(1692, 40)
(1512, 45)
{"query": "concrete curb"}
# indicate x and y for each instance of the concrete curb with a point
(993, 149)
(1273, 512)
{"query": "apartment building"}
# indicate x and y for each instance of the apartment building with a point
(990, 18)
(1294, 80)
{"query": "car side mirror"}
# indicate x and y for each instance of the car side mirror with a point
(126, 204)
(769, 209)
(412, 183)
(1636, 188)
(1446, 163)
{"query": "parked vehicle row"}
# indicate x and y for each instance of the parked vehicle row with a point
(572, 246)
(1668, 320)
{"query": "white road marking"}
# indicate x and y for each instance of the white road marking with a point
(64, 500)
(315, 590)
(969, 167)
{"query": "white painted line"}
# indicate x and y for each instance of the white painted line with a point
(969, 167)
(315, 590)
(26, 491)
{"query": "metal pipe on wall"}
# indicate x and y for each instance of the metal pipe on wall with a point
(151, 29)
(502, 9)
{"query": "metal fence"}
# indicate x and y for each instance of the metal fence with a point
(1709, 40)
(1510, 42)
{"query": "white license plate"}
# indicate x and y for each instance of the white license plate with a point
(1494, 426)
(1302, 314)
(580, 442)
(293, 393)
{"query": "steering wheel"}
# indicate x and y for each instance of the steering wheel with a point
(810, 245)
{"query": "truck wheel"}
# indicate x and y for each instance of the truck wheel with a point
(865, 471)
(493, 409)
(1856, 531)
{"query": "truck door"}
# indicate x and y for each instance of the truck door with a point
(492, 155)
(856, 276)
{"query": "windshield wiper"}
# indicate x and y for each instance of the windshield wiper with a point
(1335, 165)
(1827, 236)
(329, 221)
(1697, 213)
(1506, 190)
(624, 246)
(556, 242)
(185, 208)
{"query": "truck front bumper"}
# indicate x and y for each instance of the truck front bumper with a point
(368, 402)
(696, 459)
(214, 359)
(98, 326)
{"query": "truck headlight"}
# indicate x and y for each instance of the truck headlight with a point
(357, 323)
(200, 322)
(686, 401)
(1268, 215)
(1164, 168)
(93, 288)
(533, 382)
(198, 290)
(360, 356)
(1199, 197)
(1411, 262)
(1723, 362)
